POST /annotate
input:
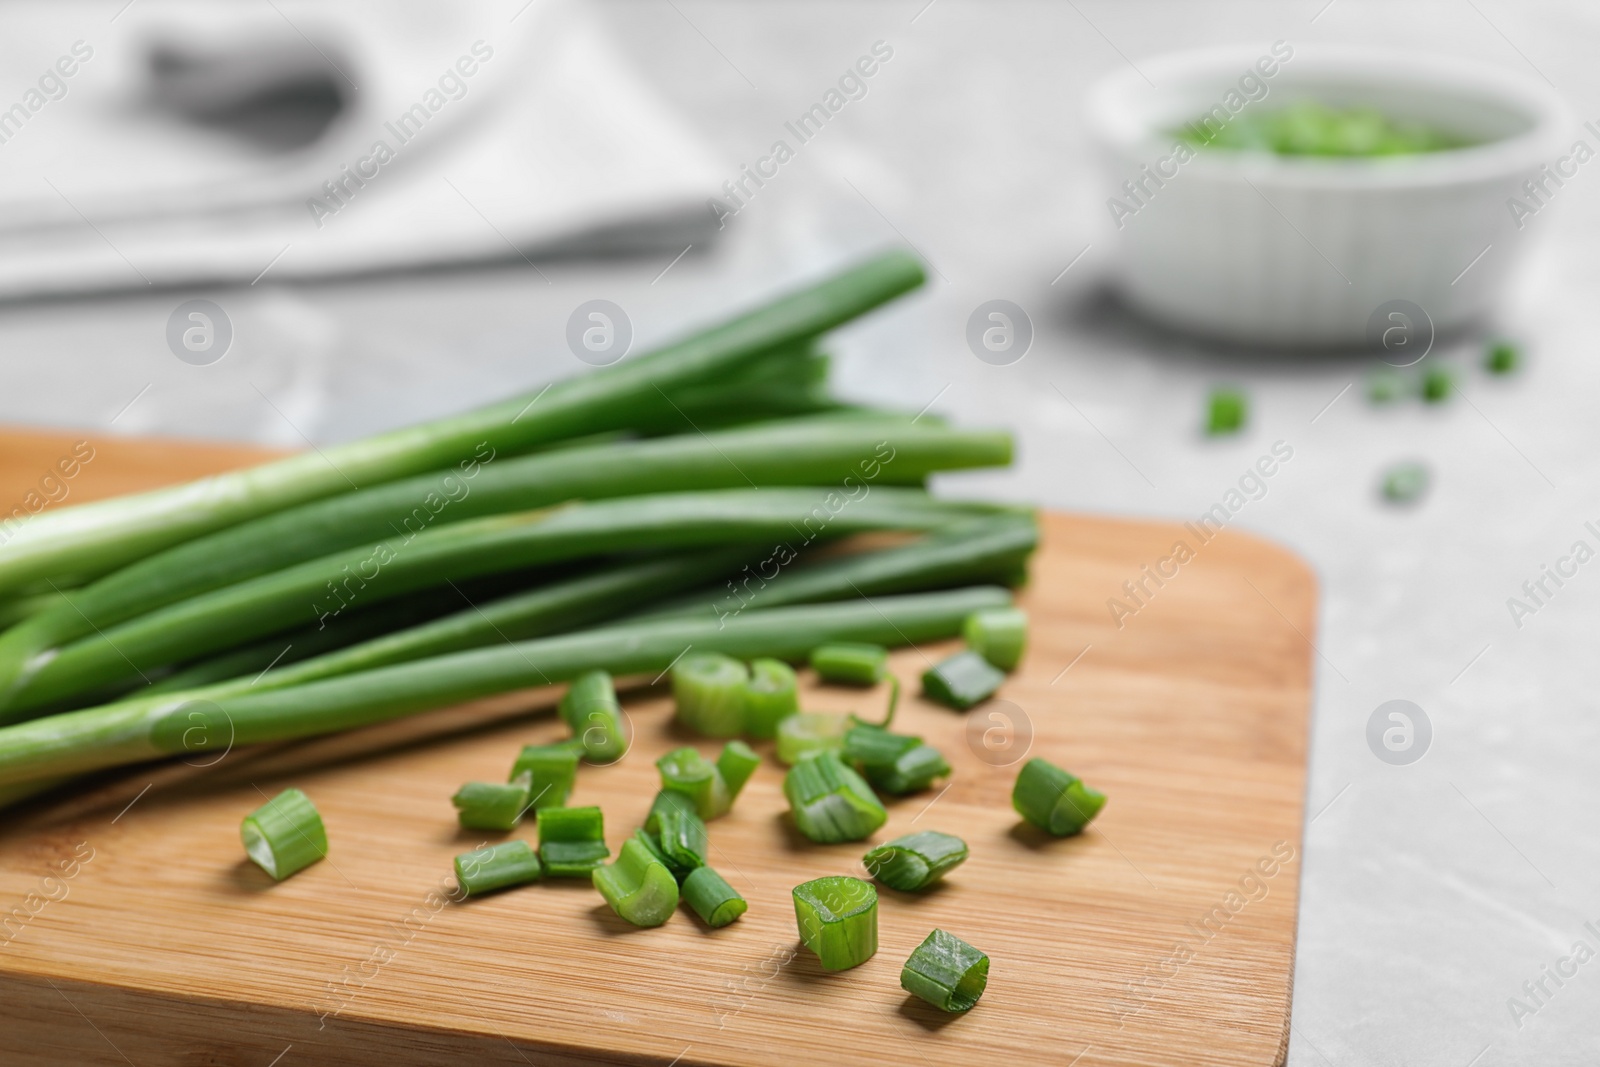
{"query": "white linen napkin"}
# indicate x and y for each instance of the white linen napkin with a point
(474, 131)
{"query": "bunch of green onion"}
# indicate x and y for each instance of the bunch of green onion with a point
(702, 496)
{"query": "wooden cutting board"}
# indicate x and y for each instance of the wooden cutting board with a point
(137, 933)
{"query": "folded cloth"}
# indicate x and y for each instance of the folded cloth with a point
(184, 142)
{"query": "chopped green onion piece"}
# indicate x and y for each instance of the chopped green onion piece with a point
(638, 886)
(593, 714)
(712, 898)
(915, 861)
(1503, 358)
(1436, 384)
(808, 732)
(551, 769)
(893, 763)
(684, 770)
(679, 833)
(653, 842)
(914, 771)
(946, 972)
(961, 681)
(999, 636)
(1385, 387)
(492, 806)
(838, 920)
(709, 689)
(868, 746)
(1405, 483)
(1053, 800)
(849, 663)
(771, 695)
(1227, 411)
(572, 841)
(736, 764)
(831, 802)
(501, 866)
(285, 834)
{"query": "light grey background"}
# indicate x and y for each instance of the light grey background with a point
(1432, 891)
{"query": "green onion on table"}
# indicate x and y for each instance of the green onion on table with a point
(487, 870)
(90, 540)
(638, 886)
(712, 898)
(285, 834)
(252, 608)
(850, 664)
(946, 972)
(977, 551)
(985, 549)
(808, 733)
(897, 764)
(685, 772)
(135, 730)
(676, 833)
(708, 690)
(551, 771)
(572, 841)
(838, 920)
(736, 763)
(796, 452)
(1054, 800)
(998, 636)
(830, 802)
(915, 861)
(963, 681)
(592, 712)
(771, 695)
(688, 511)
(584, 600)
(492, 805)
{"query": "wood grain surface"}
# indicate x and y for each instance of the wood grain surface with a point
(137, 933)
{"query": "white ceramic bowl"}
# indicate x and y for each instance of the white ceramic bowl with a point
(1280, 250)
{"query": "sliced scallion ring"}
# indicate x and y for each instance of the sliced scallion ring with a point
(679, 833)
(709, 688)
(830, 802)
(501, 866)
(572, 841)
(946, 972)
(491, 805)
(552, 771)
(712, 898)
(962, 681)
(594, 715)
(808, 732)
(999, 635)
(894, 763)
(838, 920)
(285, 834)
(915, 861)
(1053, 800)
(850, 663)
(638, 886)
(684, 770)
(771, 695)
(736, 764)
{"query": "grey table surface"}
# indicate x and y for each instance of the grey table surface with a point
(1432, 891)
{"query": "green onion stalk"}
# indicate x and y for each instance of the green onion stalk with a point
(205, 720)
(848, 452)
(975, 552)
(369, 574)
(92, 539)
